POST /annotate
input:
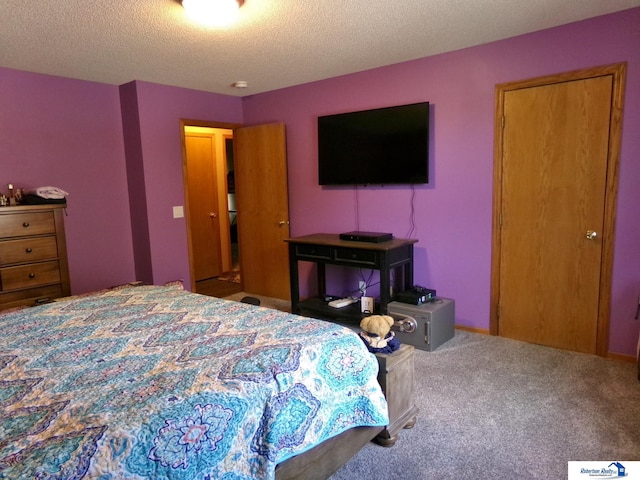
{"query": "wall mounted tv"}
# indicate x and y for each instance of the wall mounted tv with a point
(375, 147)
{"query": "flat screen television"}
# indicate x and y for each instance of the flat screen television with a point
(375, 147)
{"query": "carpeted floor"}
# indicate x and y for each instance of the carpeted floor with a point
(492, 407)
(275, 303)
(496, 408)
(233, 276)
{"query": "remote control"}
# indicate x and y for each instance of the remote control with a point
(342, 302)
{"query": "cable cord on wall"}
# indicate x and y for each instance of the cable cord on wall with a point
(367, 281)
(357, 205)
(412, 212)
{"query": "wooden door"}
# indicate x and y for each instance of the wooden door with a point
(263, 209)
(203, 210)
(554, 214)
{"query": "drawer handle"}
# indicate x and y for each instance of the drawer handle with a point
(25, 224)
(29, 250)
(32, 275)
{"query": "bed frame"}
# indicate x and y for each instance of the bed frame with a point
(325, 459)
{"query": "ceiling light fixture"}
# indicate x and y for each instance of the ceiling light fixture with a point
(216, 13)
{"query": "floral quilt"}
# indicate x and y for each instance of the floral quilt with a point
(154, 382)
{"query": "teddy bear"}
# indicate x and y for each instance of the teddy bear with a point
(377, 335)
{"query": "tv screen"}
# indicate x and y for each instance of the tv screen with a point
(375, 147)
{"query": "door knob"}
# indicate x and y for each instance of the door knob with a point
(213, 215)
(282, 223)
(591, 235)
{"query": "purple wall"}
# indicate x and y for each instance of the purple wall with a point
(159, 109)
(68, 133)
(135, 181)
(454, 212)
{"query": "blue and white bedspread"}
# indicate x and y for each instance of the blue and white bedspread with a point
(156, 382)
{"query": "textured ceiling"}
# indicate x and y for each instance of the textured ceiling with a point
(274, 44)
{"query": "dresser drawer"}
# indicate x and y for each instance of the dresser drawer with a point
(27, 250)
(357, 256)
(27, 223)
(30, 297)
(26, 276)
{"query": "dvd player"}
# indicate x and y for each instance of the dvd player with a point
(372, 237)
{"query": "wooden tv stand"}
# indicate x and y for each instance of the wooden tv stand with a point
(328, 249)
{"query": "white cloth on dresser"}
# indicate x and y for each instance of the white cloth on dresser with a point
(51, 192)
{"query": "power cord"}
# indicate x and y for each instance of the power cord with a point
(412, 212)
(357, 205)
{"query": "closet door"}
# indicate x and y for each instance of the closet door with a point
(552, 215)
(205, 213)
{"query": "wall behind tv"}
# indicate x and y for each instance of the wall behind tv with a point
(454, 212)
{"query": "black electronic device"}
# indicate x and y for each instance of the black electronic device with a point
(375, 147)
(417, 295)
(371, 237)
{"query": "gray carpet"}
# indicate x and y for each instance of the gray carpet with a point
(268, 302)
(496, 408)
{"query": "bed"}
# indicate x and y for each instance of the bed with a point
(157, 382)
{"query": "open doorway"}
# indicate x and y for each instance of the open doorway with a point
(232, 211)
(261, 212)
(210, 210)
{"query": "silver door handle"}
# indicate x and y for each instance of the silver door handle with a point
(591, 235)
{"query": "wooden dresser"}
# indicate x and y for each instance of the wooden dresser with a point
(33, 255)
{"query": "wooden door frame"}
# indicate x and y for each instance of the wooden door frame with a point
(184, 122)
(618, 71)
